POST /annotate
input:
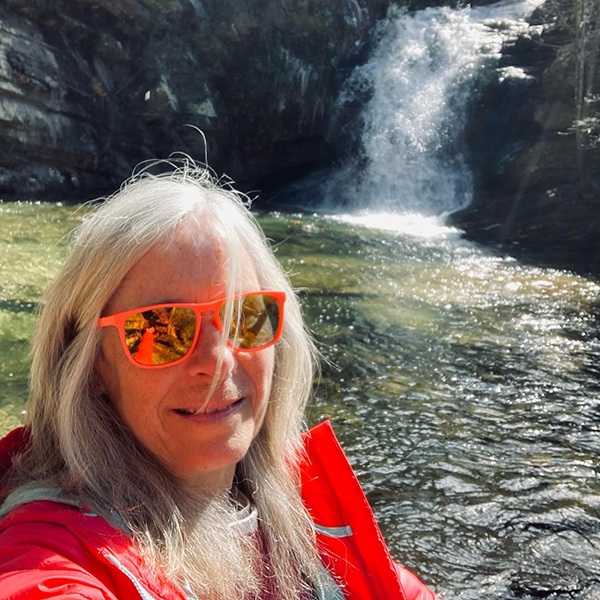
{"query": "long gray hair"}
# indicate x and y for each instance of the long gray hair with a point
(79, 443)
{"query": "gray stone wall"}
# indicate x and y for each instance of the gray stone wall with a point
(89, 88)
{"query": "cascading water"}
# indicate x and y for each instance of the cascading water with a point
(422, 79)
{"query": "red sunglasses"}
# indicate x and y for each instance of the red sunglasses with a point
(162, 335)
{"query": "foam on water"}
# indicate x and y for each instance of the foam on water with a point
(409, 224)
(422, 80)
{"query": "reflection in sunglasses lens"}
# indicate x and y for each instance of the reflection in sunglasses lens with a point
(160, 336)
(254, 322)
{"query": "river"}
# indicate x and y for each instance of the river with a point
(463, 384)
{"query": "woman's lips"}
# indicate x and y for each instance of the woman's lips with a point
(210, 414)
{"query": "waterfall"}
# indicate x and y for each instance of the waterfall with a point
(421, 81)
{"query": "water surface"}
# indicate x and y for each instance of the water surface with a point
(463, 385)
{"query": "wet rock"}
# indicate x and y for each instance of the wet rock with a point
(89, 88)
(535, 140)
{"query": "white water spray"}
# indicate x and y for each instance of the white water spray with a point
(422, 79)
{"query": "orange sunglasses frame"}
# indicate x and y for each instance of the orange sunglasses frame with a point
(118, 321)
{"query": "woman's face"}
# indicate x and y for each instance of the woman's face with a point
(201, 448)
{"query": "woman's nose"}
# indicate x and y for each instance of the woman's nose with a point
(211, 349)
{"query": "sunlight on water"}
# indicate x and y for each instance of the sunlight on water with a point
(411, 224)
(464, 386)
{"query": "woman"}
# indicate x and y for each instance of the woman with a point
(163, 455)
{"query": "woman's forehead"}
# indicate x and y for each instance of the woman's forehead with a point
(194, 241)
(194, 265)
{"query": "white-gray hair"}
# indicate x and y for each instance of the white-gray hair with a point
(79, 443)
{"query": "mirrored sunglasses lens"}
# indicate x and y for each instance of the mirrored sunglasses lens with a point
(160, 336)
(254, 322)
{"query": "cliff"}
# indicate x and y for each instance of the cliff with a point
(535, 142)
(89, 88)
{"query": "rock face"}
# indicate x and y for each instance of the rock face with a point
(89, 88)
(535, 142)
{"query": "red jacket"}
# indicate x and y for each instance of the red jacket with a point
(49, 549)
(351, 542)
